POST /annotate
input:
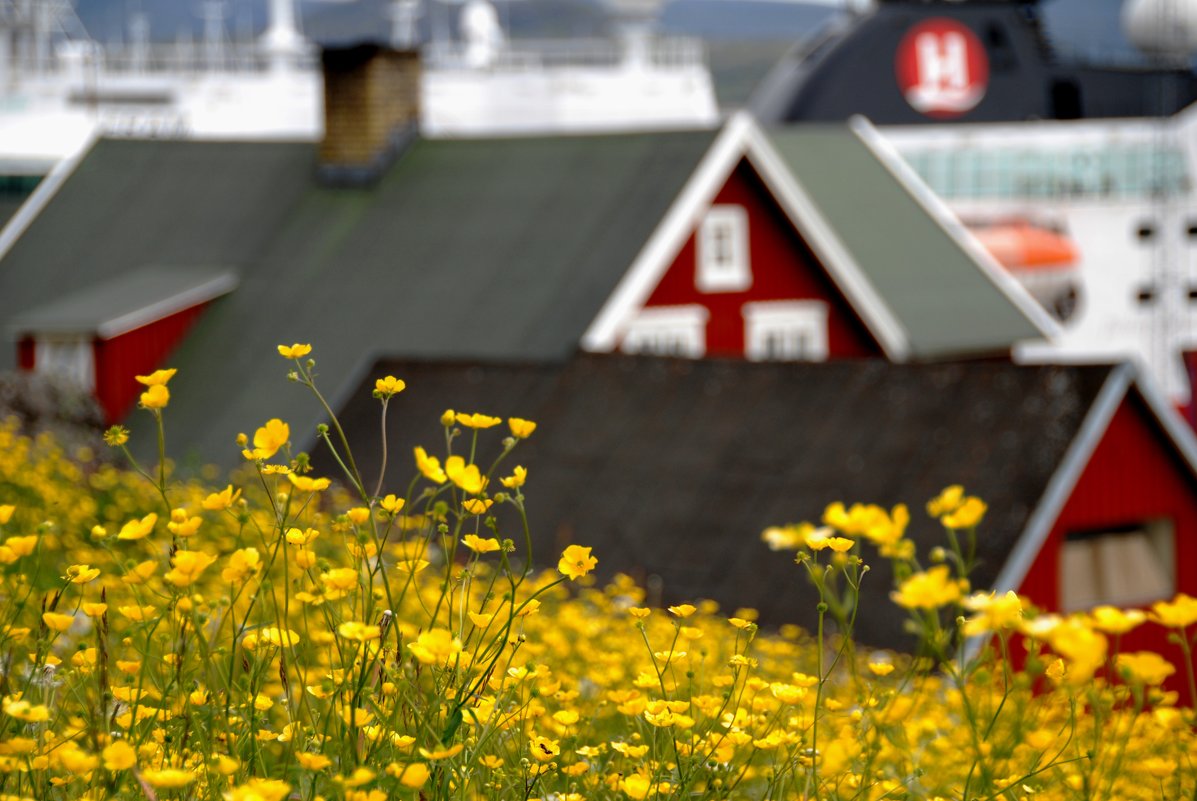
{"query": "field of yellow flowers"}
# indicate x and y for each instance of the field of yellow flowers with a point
(284, 638)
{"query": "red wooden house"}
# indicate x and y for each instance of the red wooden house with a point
(808, 245)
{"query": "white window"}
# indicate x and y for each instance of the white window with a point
(722, 247)
(1123, 568)
(66, 356)
(668, 331)
(786, 331)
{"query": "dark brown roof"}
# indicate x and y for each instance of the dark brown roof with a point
(672, 468)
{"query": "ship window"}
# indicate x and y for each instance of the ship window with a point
(69, 357)
(1191, 230)
(1192, 294)
(723, 250)
(1131, 566)
(1066, 100)
(1146, 294)
(668, 331)
(786, 331)
(1145, 231)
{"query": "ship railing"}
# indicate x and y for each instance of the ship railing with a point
(535, 54)
(87, 59)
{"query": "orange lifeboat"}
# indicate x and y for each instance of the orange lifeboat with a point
(1022, 245)
(1043, 260)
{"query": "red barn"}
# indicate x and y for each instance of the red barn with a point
(101, 336)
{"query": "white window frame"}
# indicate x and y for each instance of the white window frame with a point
(668, 331)
(69, 356)
(725, 268)
(799, 325)
(1122, 568)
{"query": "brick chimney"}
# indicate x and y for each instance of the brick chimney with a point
(371, 110)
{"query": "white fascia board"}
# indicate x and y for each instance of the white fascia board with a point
(41, 197)
(215, 287)
(662, 247)
(833, 254)
(1063, 481)
(937, 210)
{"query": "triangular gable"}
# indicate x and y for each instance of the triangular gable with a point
(783, 280)
(1124, 386)
(741, 140)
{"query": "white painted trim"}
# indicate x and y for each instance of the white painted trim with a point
(832, 253)
(786, 316)
(937, 210)
(663, 245)
(211, 289)
(710, 275)
(686, 325)
(41, 197)
(1063, 481)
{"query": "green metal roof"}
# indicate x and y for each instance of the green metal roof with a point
(125, 302)
(943, 300)
(479, 249)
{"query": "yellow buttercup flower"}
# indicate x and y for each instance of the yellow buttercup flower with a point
(219, 501)
(296, 351)
(543, 749)
(478, 420)
(156, 397)
(57, 622)
(517, 478)
(241, 565)
(480, 545)
(158, 378)
(389, 386)
(116, 436)
(466, 476)
(1145, 667)
(392, 504)
(92, 609)
(477, 506)
(930, 589)
(967, 515)
(576, 562)
(429, 466)
(1178, 613)
(268, 439)
(312, 761)
(413, 775)
(23, 545)
(306, 484)
(259, 790)
(81, 574)
(187, 566)
(119, 756)
(520, 428)
(946, 502)
(353, 630)
(436, 647)
(6, 510)
(138, 529)
(168, 778)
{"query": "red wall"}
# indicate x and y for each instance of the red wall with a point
(1133, 475)
(783, 268)
(137, 352)
(25, 353)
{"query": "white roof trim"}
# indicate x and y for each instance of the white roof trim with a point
(1063, 481)
(841, 266)
(741, 138)
(213, 288)
(41, 197)
(654, 259)
(943, 216)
